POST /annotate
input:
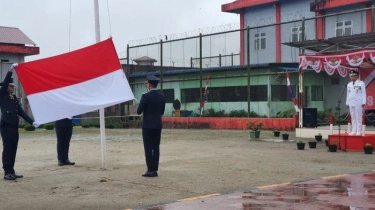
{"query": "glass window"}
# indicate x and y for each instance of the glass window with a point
(258, 93)
(190, 95)
(260, 41)
(344, 28)
(316, 93)
(281, 93)
(169, 95)
(297, 33)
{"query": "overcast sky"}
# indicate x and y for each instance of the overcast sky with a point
(47, 22)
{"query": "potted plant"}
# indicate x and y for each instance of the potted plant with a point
(300, 145)
(276, 133)
(368, 148)
(254, 127)
(285, 136)
(318, 137)
(312, 144)
(333, 146)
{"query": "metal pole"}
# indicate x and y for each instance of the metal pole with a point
(101, 111)
(301, 98)
(127, 74)
(200, 70)
(161, 65)
(248, 71)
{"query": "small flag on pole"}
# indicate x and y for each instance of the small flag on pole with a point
(290, 88)
(204, 96)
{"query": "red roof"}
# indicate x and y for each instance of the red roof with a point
(9, 35)
(237, 5)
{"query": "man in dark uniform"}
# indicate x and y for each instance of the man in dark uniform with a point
(10, 110)
(152, 105)
(64, 130)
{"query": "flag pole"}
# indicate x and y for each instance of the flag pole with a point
(101, 110)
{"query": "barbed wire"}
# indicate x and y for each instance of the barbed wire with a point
(253, 22)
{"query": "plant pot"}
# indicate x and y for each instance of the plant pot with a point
(254, 134)
(318, 138)
(368, 150)
(276, 133)
(300, 146)
(312, 144)
(326, 141)
(285, 136)
(332, 148)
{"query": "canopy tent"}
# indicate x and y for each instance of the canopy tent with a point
(339, 55)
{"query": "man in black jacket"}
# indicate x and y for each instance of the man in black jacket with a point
(64, 130)
(152, 105)
(10, 110)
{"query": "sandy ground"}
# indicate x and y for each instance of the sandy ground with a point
(193, 163)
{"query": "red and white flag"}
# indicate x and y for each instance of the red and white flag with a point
(74, 83)
(204, 97)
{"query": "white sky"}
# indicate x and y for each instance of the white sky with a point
(46, 22)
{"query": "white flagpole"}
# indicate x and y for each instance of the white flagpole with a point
(101, 111)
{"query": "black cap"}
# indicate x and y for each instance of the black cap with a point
(152, 78)
(353, 73)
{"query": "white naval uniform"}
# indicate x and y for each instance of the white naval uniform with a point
(355, 98)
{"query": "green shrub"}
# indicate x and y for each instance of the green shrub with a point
(49, 126)
(86, 125)
(21, 125)
(110, 126)
(29, 128)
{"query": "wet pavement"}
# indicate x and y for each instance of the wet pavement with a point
(344, 192)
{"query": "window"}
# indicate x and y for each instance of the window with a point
(297, 34)
(316, 93)
(226, 94)
(169, 95)
(190, 95)
(281, 93)
(258, 93)
(260, 41)
(344, 28)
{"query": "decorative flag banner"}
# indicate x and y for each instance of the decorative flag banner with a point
(204, 96)
(290, 88)
(74, 83)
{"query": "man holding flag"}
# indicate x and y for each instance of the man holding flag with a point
(10, 110)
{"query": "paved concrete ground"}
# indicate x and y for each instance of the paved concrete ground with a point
(193, 163)
(338, 192)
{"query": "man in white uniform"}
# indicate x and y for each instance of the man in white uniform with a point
(355, 101)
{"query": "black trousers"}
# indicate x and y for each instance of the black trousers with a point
(151, 143)
(64, 134)
(9, 134)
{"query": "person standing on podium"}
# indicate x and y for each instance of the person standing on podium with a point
(355, 101)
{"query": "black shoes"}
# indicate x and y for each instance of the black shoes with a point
(150, 174)
(17, 176)
(9, 177)
(12, 176)
(67, 162)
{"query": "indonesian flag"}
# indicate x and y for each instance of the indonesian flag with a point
(204, 96)
(74, 83)
(290, 88)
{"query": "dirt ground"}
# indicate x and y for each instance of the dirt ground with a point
(193, 163)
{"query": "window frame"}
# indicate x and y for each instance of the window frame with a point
(260, 39)
(343, 27)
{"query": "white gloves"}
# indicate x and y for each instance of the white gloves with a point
(14, 65)
(35, 124)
